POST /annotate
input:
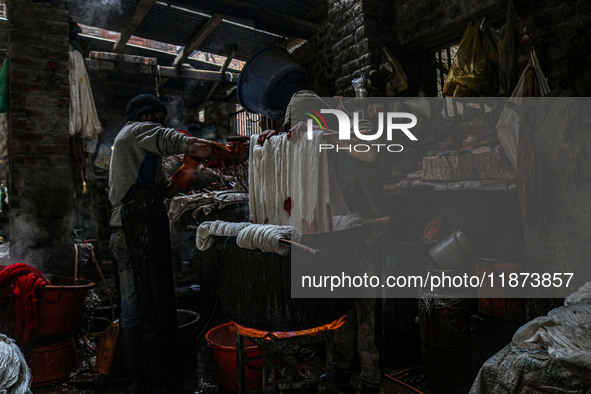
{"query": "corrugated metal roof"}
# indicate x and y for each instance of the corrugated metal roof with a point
(297, 8)
(177, 21)
(173, 26)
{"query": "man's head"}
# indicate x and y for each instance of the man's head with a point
(146, 107)
(295, 105)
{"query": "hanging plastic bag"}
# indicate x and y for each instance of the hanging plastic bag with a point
(475, 71)
(397, 81)
(532, 83)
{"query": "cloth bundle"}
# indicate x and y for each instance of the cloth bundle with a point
(344, 222)
(20, 286)
(289, 183)
(264, 237)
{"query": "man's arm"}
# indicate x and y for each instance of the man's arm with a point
(199, 148)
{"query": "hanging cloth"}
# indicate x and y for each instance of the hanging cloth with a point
(83, 116)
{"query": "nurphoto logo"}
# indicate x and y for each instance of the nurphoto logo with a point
(388, 123)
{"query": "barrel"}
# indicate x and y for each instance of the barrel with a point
(401, 330)
(497, 301)
(445, 342)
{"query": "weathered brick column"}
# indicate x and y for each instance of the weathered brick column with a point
(40, 179)
(359, 30)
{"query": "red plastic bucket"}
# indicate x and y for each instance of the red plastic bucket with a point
(222, 340)
(496, 301)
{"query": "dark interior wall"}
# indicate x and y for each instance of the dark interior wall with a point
(560, 32)
(40, 179)
(414, 30)
(430, 23)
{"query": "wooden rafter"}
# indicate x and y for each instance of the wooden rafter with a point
(199, 37)
(142, 9)
(102, 61)
(222, 72)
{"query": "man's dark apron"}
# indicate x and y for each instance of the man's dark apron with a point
(146, 228)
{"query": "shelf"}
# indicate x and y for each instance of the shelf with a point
(417, 185)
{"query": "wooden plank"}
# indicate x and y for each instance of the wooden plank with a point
(142, 9)
(199, 37)
(120, 57)
(165, 72)
(222, 72)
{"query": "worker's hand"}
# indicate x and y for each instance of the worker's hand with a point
(199, 148)
(297, 131)
(265, 135)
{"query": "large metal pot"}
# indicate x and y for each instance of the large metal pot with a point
(268, 80)
(255, 287)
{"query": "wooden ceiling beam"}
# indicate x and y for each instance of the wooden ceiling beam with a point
(204, 32)
(162, 72)
(142, 9)
(222, 72)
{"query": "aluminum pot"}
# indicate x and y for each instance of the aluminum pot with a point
(454, 252)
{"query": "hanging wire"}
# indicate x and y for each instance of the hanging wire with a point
(158, 80)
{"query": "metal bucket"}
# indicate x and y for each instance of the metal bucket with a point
(268, 80)
(454, 252)
(60, 306)
(187, 338)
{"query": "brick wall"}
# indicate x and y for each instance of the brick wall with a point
(349, 44)
(40, 179)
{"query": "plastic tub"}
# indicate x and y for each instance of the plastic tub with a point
(222, 340)
(497, 301)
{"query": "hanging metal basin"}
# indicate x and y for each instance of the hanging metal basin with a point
(268, 80)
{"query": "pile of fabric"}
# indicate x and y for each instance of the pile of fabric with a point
(15, 377)
(201, 203)
(264, 237)
(289, 183)
(548, 354)
(20, 287)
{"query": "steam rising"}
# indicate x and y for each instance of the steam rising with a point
(176, 112)
(98, 13)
